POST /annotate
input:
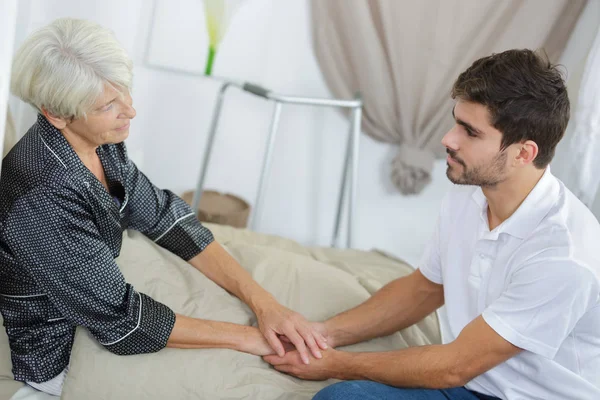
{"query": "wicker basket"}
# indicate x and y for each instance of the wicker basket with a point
(219, 208)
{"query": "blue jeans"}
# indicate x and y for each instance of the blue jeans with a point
(368, 390)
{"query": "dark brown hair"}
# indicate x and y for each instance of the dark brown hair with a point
(525, 95)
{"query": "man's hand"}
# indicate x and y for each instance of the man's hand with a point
(318, 370)
(276, 321)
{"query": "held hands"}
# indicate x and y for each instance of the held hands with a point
(318, 370)
(291, 361)
(281, 325)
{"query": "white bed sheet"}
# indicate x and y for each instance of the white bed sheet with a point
(29, 393)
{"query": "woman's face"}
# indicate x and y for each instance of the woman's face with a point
(108, 121)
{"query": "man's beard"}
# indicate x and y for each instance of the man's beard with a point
(483, 175)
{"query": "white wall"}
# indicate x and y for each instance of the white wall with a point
(268, 43)
(8, 14)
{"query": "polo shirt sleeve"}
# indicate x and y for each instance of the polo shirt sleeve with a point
(53, 235)
(430, 263)
(542, 304)
(163, 216)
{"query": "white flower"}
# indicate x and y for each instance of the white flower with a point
(218, 15)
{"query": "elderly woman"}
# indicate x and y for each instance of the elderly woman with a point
(67, 193)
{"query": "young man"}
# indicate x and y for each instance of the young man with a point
(515, 258)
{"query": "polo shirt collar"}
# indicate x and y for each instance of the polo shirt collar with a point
(530, 213)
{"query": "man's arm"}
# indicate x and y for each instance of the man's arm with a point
(477, 349)
(398, 305)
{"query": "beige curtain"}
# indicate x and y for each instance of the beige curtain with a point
(10, 134)
(404, 55)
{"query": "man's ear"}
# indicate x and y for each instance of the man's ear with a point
(57, 122)
(528, 151)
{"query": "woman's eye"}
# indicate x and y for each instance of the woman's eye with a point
(108, 107)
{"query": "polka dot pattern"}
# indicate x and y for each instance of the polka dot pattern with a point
(60, 231)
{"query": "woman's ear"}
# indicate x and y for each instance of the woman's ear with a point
(57, 122)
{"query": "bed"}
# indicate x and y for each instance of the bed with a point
(317, 282)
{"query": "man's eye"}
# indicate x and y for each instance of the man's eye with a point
(470, 132)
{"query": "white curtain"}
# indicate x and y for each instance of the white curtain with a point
(8, 19)
(581, 172)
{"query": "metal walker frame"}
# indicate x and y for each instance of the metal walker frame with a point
(351, 158)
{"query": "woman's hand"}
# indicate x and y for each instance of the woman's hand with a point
(319, 327)
(255, 343)
(276, 321)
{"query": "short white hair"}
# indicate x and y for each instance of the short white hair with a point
(64, 67)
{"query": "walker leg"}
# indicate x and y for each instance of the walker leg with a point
(255, 217)
(354, 177)
(343, 192)
(209, 147)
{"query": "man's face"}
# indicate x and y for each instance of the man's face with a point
(473, 147)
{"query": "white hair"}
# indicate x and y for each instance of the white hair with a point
(64, 66)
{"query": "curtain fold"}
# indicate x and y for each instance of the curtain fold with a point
(404, 56)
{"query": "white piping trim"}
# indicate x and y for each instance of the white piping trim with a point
(124, 203)
(56, 319)
(174, 223)
(52, 151)
(131, 331)
(21, 297)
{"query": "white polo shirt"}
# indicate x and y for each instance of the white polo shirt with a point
(536, 281)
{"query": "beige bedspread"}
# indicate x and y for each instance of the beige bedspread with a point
(313, 281)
